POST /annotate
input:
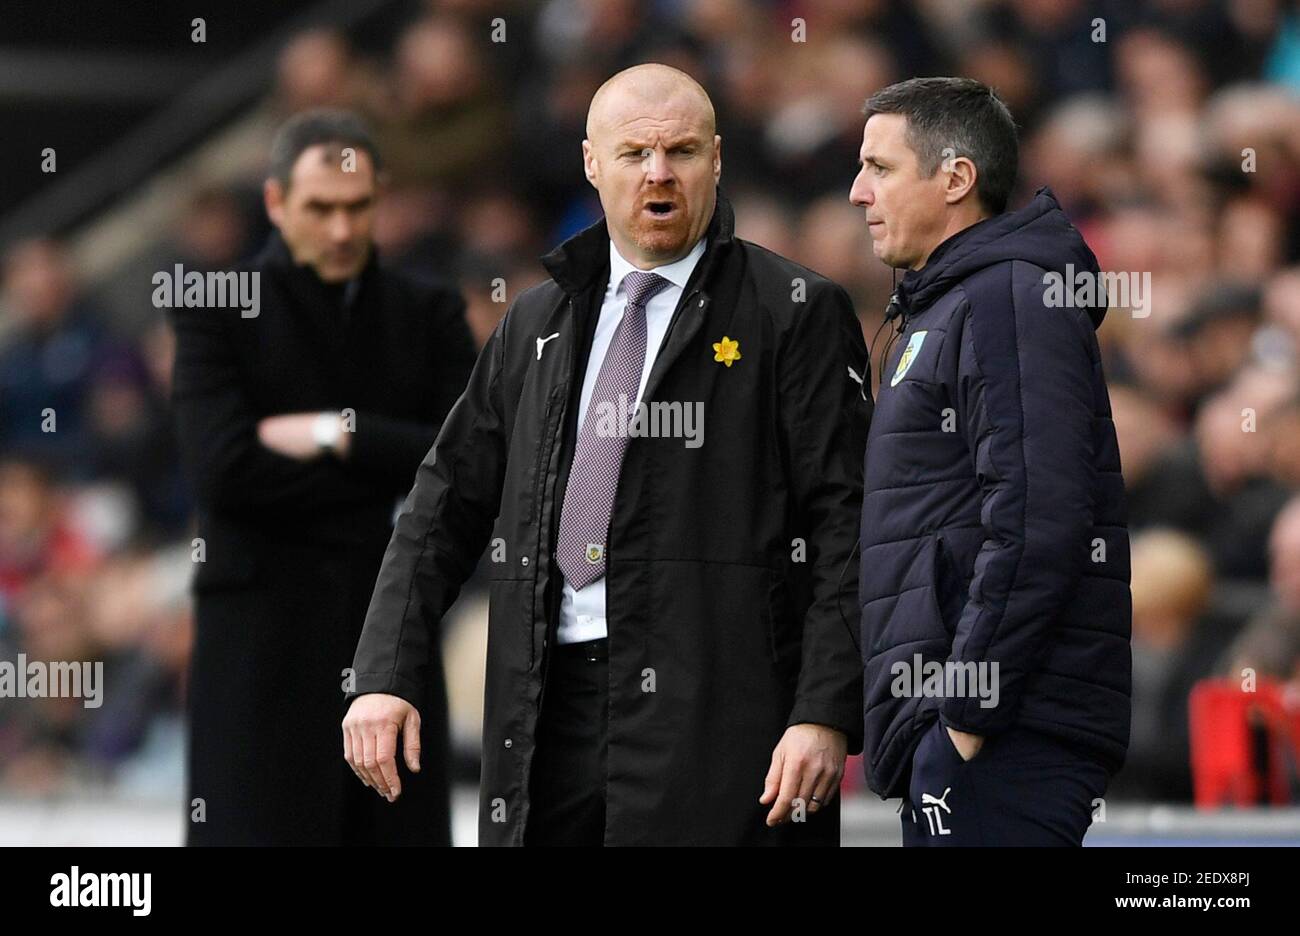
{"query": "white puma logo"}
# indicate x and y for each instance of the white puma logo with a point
(928, 800)
(930, 805)
(858, 379)
(541, 343)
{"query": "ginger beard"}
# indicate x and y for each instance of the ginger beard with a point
(660, 223)
(659, 198)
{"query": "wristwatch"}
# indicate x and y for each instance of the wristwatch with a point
(326, 431)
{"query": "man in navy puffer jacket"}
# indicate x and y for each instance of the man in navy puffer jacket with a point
(994, 583)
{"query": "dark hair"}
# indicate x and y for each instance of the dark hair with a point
(965, 115)
(322, 126)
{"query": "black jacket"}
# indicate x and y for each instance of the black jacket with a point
(291, 550)
(722, 562)
(993, 519)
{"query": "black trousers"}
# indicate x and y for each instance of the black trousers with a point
(1022, 788)
(567, 783)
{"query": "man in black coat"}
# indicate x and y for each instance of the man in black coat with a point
(995, 561)
(662, 445)
(304, 408)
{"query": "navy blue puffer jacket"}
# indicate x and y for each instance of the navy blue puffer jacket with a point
(993, 518)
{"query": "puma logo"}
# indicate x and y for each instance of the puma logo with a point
(860, 381)
(541, 343)
(928, 800)
(930, 806)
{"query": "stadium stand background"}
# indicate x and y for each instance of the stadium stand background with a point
(1147, 138)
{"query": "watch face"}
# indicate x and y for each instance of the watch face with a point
(326, 430)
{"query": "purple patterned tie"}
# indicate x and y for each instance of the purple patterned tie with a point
(597, 460)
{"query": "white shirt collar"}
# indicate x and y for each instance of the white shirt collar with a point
(678, 272)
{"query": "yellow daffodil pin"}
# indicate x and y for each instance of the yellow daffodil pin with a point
(726, 351)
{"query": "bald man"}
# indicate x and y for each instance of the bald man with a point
(661, 450)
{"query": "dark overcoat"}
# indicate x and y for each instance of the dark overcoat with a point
(724, 561)
(291, 550)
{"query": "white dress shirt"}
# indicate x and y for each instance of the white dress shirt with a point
(582, 613)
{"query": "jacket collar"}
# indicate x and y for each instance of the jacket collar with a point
(577, 262)
(912, 277)
(678, 272)
(308, 289)
(916, 281)
(1038, 233)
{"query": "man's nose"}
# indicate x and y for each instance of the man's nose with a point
(657, 171)
(340, 227)
(860, 191)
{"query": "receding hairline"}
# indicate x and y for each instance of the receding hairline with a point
(654, 81)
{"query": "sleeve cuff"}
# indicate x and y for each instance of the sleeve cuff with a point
(837, 715)
(389, 683)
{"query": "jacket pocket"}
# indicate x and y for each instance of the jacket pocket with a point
(783, 635)
(914, 614)
(947, 593)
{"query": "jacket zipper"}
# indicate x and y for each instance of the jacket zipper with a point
(546, 448)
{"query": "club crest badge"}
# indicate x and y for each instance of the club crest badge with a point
(909, 355)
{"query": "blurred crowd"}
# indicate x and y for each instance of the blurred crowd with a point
(1168, 129)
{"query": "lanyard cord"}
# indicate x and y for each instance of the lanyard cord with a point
(892, 311)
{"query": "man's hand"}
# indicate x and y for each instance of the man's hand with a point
(807, 764)
(967, 745)
(370, 733)
(290, 435)
(293, 435)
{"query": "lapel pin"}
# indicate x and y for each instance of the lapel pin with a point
(726, 351)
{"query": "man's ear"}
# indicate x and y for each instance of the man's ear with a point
(717, 158)
(962, 176)
(589, 162)
(273, 199)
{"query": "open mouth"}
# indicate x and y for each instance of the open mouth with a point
(661, 209)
